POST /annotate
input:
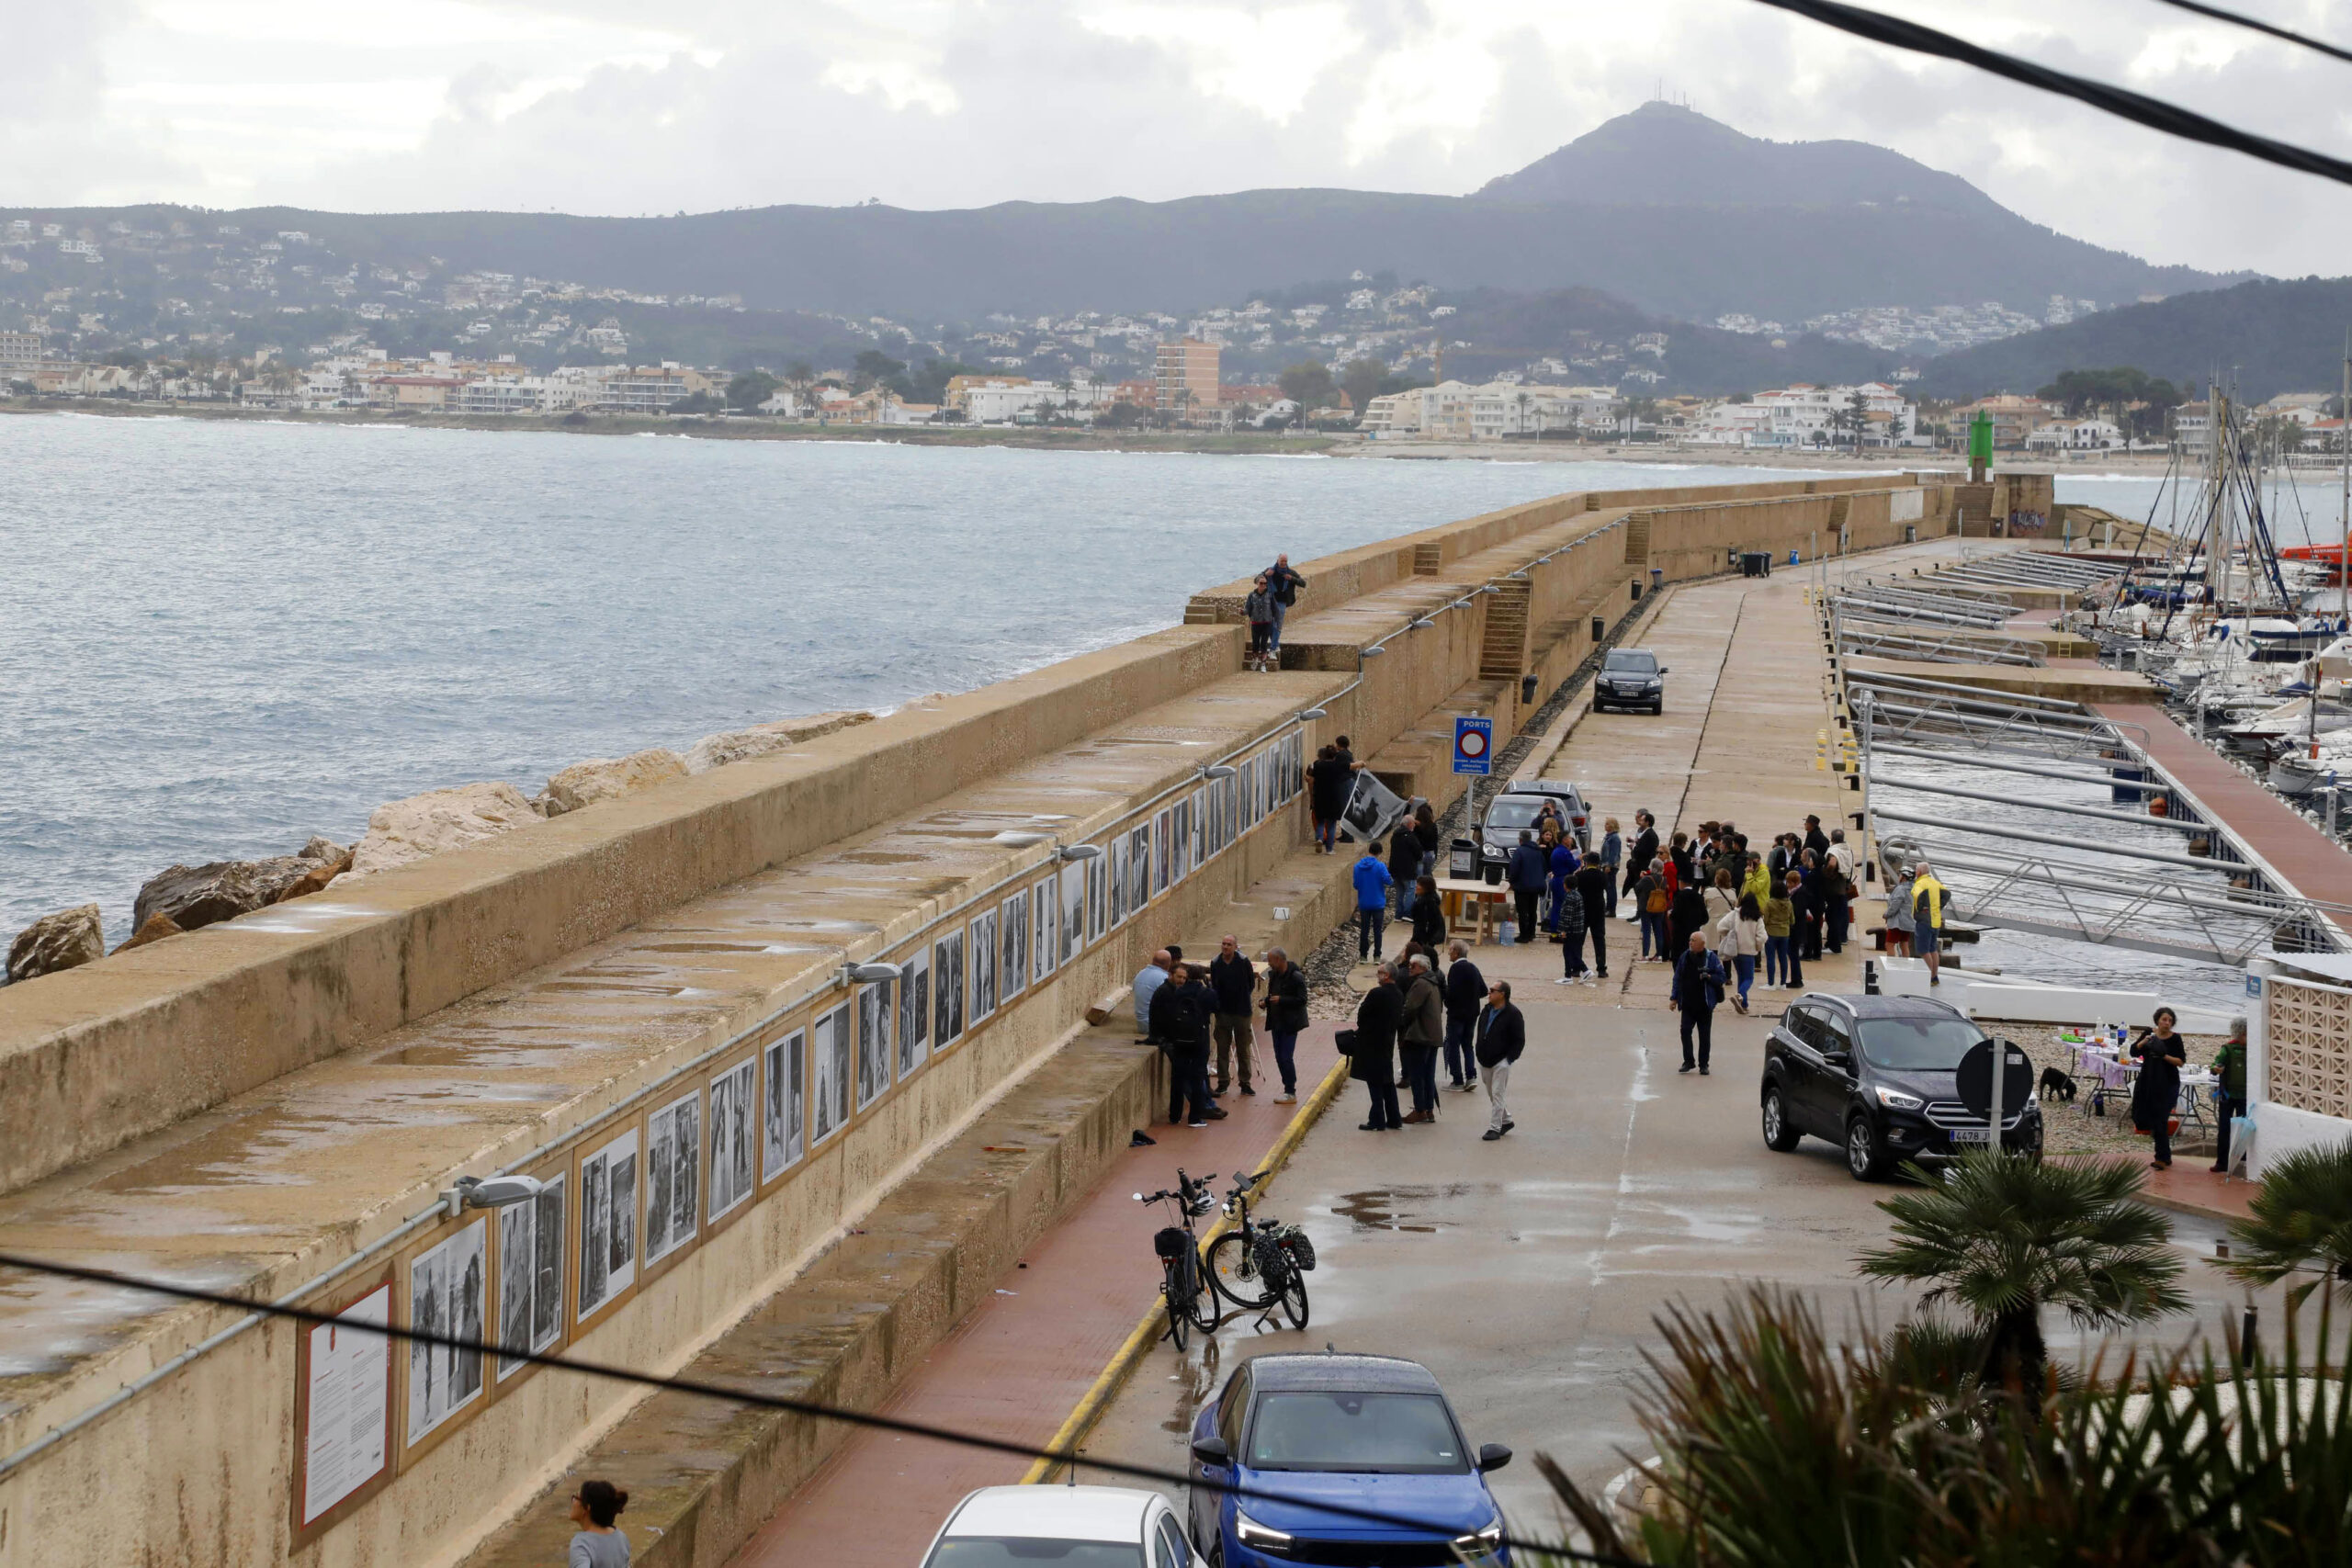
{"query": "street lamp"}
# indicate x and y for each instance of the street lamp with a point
(867, 974)
(494, 1193)
(1078, 852)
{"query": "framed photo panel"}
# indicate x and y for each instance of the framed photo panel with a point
(343, 1407)
(1139, 841)
(672, 1169)
(1044, 928)
(914, 1011)
(1013, 970)
(1114, 856)
(784, 1103)
(531, 1273)
(607, 1188)
(829, 1041)
(448, 1292)
(877, 1028)
(980, 955)
(1163, 851)
(1073, 910)
(947, 989)
(734, 1135)
(1098, 895)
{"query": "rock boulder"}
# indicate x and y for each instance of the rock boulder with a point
(765, 740)
(436, 820)
(157, 927)
(62, 941)
(585, 783)
(195, 896)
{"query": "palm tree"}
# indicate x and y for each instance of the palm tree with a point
(2301, 1218)
(2004, 1237)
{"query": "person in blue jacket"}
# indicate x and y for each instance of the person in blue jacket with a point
(1373, 882)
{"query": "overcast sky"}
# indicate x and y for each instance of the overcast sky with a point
(619, 106)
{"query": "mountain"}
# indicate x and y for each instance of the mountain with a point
(2274, 335)
(1664, 155)
(1595, 334)
(1681, 216)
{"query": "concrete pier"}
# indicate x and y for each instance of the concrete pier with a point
(273, 1105)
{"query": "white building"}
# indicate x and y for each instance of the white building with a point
(1806, 415)
(1455, 410)
(2076, 436)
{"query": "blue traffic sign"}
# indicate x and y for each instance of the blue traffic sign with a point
(1474, 746)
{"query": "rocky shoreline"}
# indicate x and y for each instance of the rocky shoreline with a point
(186, 897)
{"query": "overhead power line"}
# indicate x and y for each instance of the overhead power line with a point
(2138, 107)
(775, 1401)
(2258, 25)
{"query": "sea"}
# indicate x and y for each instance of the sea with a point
(220, 637)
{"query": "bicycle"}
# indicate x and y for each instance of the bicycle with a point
(1261, 1264)
(1182, 1280)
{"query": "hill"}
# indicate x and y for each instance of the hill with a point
(2275, 335)
(1681, 216)
(1594, 332)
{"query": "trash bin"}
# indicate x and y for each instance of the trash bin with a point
(1599, 628)
(1793, 558)
(1755, 563)
(1462, 863)
(1910, 532)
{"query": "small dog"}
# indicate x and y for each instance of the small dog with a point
(2056, 1085)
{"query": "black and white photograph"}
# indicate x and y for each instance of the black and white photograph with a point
(1182, 817)
(1098, 895)
(1372, 810)
(877, 1027)
(914, 1011)
(1013, 970)
(447, 1294)
(530, 1274)
(1115, 855)
(981, 955)
(1073, 934)
(1163, 849)
(673, 1195)
(947, 990)
(731, 1136)
(1139, 838)
(607, 1223)
(784, 1130)
(829, 1041)
(1045, 927)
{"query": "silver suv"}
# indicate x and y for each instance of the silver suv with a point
(1517, 808)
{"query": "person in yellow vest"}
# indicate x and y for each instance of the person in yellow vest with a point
(1927, 897)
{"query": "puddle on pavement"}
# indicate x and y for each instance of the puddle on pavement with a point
(1196, 1378)
(1392, 1209)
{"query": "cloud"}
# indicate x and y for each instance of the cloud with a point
(602, 106)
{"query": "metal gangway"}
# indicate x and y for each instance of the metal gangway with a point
(1937, 758)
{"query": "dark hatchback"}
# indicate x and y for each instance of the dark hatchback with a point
(1306, 1435)
(1875, 1076)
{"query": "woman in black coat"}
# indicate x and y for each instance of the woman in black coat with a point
(2161, 1053)
(1373, 1057)
(1428, 917)
(1688, 913)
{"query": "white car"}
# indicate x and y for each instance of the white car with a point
(1067, 1527)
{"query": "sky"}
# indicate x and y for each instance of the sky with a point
(619, 108)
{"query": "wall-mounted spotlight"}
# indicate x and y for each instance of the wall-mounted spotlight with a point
(1311, 713)
(1517, 577)
(1217, 771)
(1490, 588)
(493, 1192)
(1375, 651)
(1078, 852)
(1420, 621)
(867, 974)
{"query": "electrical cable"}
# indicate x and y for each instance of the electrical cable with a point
(2122, 102)
(790, 1406)
(2258, 25)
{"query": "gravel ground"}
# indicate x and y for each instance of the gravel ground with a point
(2068, 1129)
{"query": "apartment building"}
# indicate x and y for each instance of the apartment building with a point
(1184, 378)
(651, 389)
(20, 355)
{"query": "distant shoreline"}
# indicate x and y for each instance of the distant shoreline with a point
(1053, 439)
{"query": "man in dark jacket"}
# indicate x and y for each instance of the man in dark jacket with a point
(1283, 581)
(1233, 982)
(1419, 1034)
(1593, 887)
(1373, 1060)
(1403, 867)
(1465, 991)
(1501, 1036)
(1644, 848)
(1698, 987)
(1180, 1016)
(1285, 1006)
(1526, 871)
(1814, 839)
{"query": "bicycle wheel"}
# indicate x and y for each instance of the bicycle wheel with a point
(1293, 1297)
(1234, 1271)
(1180, 1309)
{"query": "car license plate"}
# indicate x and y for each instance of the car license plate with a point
(1972, 1135)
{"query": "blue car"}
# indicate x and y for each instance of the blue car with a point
(1302, 1432)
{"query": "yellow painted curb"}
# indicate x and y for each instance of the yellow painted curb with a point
(1139, 1344)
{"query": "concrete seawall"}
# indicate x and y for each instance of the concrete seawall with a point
(258, 1102)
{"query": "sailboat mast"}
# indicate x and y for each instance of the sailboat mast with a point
(2343, 500)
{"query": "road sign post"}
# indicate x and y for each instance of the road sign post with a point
(1474, 754)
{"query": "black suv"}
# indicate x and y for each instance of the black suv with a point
(1875, 1074)
(1629, 678)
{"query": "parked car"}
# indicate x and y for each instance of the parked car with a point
(1069, 1527)
(1518, 807)
(1629, 678)
(1875, 1075)
(1368, 1431)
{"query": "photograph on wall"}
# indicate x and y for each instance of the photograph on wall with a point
(784, 1132)
(447, 1294)
(607, 1223)
(1073, 933)
(1013, 970)
(1163, 849)
(1138, 868)
(1098, 895)
(730, 1137)
(1372, 810)
(914, 1011)
(1254, 792)
(530, 1274)
(877, 1027)
(1179, 839)
(981, 955)
(830, 1040)
(1116, 857)
(673, 1195)
(947, 990)
(1044, 928)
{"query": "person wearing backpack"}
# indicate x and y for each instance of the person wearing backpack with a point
(1283, 583)
(1650, 901)
(2228, 1098)
(1927, 897)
